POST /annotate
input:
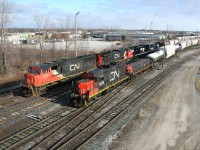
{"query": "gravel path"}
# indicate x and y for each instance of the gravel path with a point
(171, 118)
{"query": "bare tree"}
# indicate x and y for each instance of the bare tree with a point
(68, 41)
(5, 18)
(39, 19)
(43, 24)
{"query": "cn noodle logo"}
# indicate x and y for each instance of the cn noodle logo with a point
(74, 67)
(114, 75)
(117, 56)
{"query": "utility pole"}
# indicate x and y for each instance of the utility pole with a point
(88, 44)
(76, 33)
(151, 31)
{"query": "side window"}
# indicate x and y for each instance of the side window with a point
(29, 70)
(54, 68)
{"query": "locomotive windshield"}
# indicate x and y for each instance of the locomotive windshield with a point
(89, 76)
(84, 76)
(34, 71)
(93, 78)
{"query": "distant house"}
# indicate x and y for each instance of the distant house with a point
(14, 39)
(119, 36)
(114, 37)
(73, 36)
(98, 34)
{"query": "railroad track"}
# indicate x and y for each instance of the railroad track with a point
(18, 101)
(87, 130)
(34, 105)
(13, 97)
(8, 98)
(10, 89)
(29, 105)
(54, 123)
(78, 126)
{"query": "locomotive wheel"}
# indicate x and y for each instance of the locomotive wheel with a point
(75, 103)
(81, 103)
(104, 92)
(85, 99)
(131, 77)
(85, 102)
(78, 103)
(26, 93)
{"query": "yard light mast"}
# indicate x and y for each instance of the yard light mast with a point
(76, 33)
(151, 31)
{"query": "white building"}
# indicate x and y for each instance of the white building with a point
(15, 39)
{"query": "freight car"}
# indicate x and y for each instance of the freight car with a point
(99, 81)
(40, 77)
(172, 47)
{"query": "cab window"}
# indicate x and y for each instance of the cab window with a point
(34, 71)
(93, 78)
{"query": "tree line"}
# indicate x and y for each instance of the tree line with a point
(17, 58)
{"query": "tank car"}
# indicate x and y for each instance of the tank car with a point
(163, 53)
(156, 56)
(182, 44)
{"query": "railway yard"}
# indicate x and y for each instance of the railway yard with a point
(157, 110)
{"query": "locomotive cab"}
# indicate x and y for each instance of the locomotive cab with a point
(36, 76)
(84, 89)
(128, 54)
(34, 70)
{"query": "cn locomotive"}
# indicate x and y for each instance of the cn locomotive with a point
(40, 77)
(99, 81)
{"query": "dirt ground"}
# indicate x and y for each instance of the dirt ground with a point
(171, 119)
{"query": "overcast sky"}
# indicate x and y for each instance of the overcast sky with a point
(125, 14)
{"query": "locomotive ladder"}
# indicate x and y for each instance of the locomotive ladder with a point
(32, 91)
